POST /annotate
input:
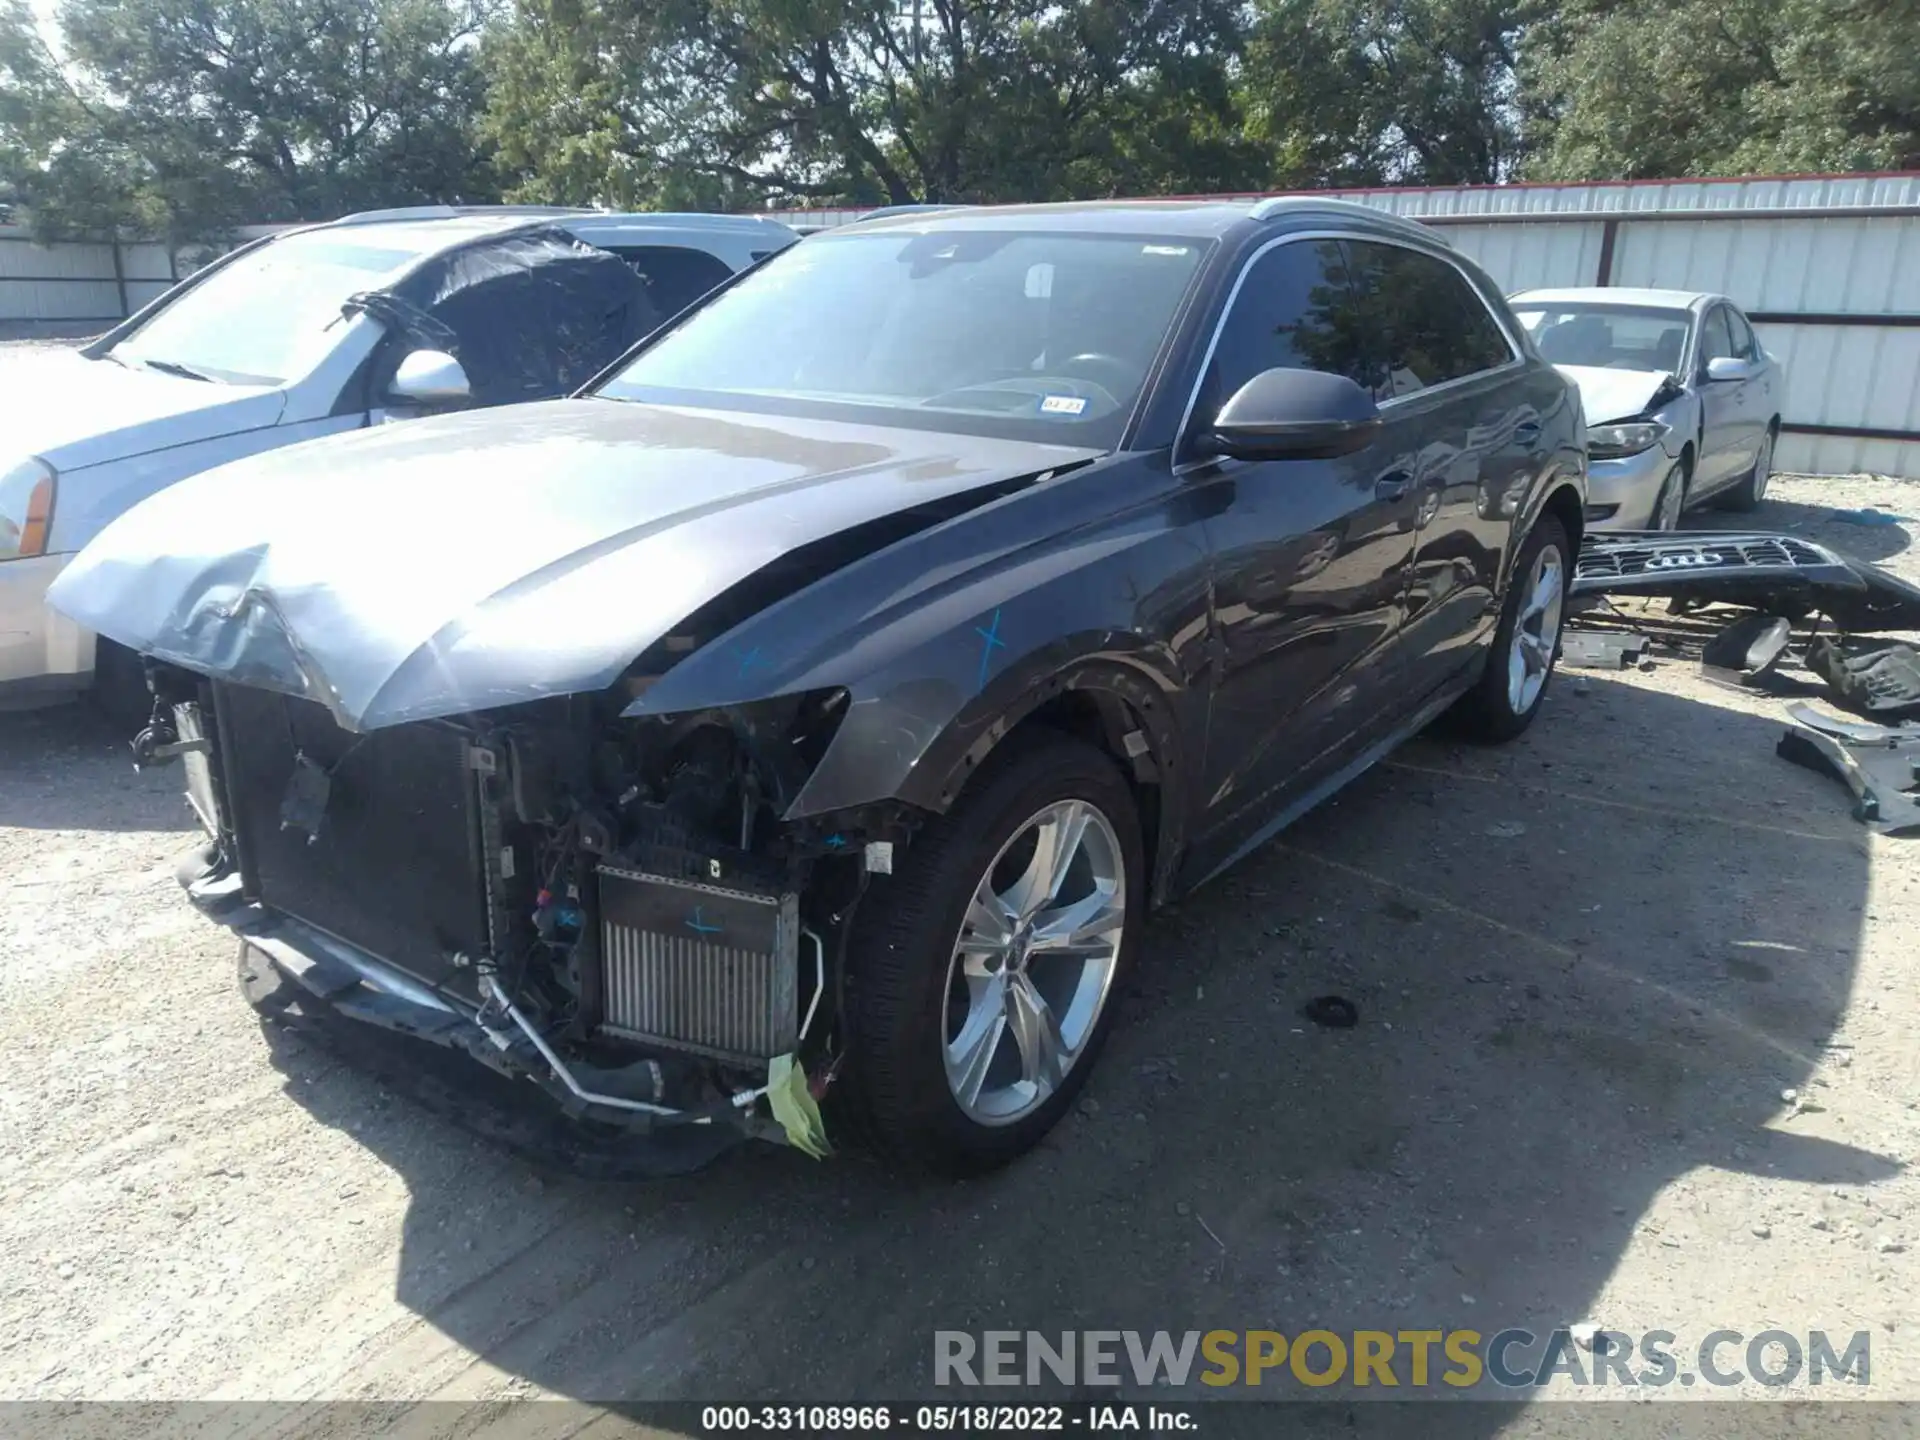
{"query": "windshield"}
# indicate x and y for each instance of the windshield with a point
(1019, 335)
(1613, 337)
(262, 318)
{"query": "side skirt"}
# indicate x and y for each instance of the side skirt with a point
(1352, 770)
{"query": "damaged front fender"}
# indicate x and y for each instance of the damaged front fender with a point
(944, 641)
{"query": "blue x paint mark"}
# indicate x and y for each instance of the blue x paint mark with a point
(697, 923)
(750, 660)
(836, 842)
(991, 641)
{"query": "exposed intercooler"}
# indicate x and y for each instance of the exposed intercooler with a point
(697, 967)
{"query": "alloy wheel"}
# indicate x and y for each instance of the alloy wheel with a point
(1673, 499)
(1034, 961)
(1763, 468)
(1536, 630)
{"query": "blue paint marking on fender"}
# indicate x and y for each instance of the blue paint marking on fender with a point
(752, 660)
(990, 641)
(697, 923)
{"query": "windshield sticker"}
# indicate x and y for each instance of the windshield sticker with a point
(1062, 404)
(1163, 249)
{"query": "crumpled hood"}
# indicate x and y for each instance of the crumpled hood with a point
(469, 561)
(73, 412)
(1607, 394)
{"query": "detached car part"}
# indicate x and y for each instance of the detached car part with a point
(1778, 574)
(1874, 679)
(1853, 730)
(1747, 650)
(1882, 776)
(1602, 649)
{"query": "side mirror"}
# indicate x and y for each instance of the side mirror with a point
(1287, 414)
(1730, 367)
(430, 377)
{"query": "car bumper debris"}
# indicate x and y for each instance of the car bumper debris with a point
(1809, 607)
(1781, 574)
(1880, 774)
(1603, 650)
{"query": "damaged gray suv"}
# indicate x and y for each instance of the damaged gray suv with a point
(789, 734)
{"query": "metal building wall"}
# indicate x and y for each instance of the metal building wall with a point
(78, 281)
(1828, 267)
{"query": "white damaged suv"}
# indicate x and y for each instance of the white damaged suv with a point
(306, 333)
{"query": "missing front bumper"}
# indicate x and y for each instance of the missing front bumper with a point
(350, 996)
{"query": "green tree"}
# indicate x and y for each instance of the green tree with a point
(1372, 92)
(57, 163)
(714, 101)
(1651, 88)
(193, 115)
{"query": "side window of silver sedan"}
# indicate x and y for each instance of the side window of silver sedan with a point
(1745, 345)
(1718, 339)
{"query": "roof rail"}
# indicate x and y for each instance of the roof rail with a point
(886, 211)
(1275, 206)
(450, 212)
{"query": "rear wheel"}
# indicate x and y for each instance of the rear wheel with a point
(1525, 644)
(982, 970)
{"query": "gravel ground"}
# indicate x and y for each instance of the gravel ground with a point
(1588, 967)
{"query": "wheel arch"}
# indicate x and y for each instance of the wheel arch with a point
(1119, 709)
(1563, 503)
(1560, 497)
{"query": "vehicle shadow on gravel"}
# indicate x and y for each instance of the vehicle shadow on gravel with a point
(68, 768)
(1586, 966)
(1872, 543)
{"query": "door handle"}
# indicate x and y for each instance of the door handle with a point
(1528, 430)
(1392, 485)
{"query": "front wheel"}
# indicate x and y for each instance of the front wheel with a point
(982, 970)
(1672, 502)
(1752, 488)
(1526, 643)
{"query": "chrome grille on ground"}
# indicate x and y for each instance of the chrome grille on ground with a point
(1604, 557)
(698, 967)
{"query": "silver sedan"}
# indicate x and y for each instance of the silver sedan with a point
(1682, 402)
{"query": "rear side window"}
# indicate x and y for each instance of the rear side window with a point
(676, 276)
(1294, 311)
(1426, 325)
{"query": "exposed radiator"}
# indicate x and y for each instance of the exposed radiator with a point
(698, 967)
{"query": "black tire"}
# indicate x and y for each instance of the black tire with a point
(1752, 488)
(1486, 714)
(120, 692)
(1676, 480)
(896, 1095)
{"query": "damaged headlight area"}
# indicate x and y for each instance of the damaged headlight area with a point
(1630, 437)
(613, 908)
